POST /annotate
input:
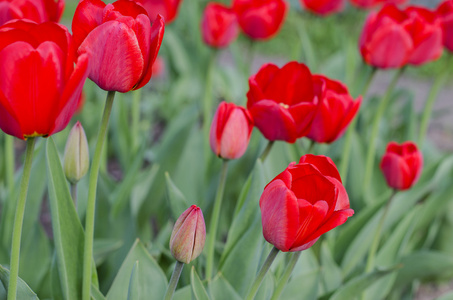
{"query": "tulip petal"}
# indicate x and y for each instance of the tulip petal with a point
(303, 115)
(324, 164)
(183, 239)
(8, 119)
(396, 171)
(236, 134)
(280, 215)
(314, 188)
(87, 16)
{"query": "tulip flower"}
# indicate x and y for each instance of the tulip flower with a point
(120, 41)
(302, 203)
(282, 101)
(445, 12)
(230, 131)
(219, 26)
(188, 235)
(336, 111)
(373, 3)
(402, 165)
(76, 154)
(39, 85)
(260, 19)
(323, 7)
(39, 11)
(168, 9)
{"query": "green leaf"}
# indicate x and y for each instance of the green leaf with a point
(141, 189)
(151, 278)
(67, 230)
(96, 294)
(221, 289)
(24, 292)
(198, 290)
(184, 293)
(102, 248)
(133, 292)
(303, 286)
(331, 273)
(177, 201)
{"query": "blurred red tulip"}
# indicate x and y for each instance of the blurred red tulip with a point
(282, 102)
(39, 85)
(402, 165)
(323, 7)
(120, 41)
(260, 19)
(39, 11)
(373, 3)
(302, 203)
(445, 11)
(219, 26)
(230, 131)
(336, 111)
(168, 9)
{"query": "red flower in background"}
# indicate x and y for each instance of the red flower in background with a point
(39, 85)
(402, 165)
(168, 9)
(445, 12)
(392, 38)
(219, 26)
(373, 3)
(120, 41)
(260, 19)
(336, 111)
(282, 102)
(302, 203)
(323, 7)
(230, 131)
(39, 11)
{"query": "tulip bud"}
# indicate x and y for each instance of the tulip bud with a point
(188, 236)
(230, 131)
(76, 154)
(401, 165)
(219, 25)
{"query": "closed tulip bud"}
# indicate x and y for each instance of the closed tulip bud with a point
(76, 154)
(188, 236)
(230, 131)
(401, 165)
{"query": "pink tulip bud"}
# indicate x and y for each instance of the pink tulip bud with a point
(188, 236)
(230, 131)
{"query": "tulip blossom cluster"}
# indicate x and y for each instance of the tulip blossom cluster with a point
(393, 38)
(39, 11)
(258, 19)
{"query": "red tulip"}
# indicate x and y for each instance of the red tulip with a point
(445, 11)
(219, 26)
(282, 102)
(168, 9)
(302, 203)
(120, 41)
(260, 19)
(373, 3)
(402, 165)
(336, 111)
(427, 35)
(39, 11)
(230, 131)
(323, 7)
(385, 41)
(39, 85)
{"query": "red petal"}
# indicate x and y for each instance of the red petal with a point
(323, 163)
(396, 171)
(87, 16)
(314, 188)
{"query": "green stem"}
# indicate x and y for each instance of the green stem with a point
(215, 221)
(135, 116)
(7, 215)
(260, 276)
(377, 236)
(285, 277)
(311, 147)
(18, 220)
(375, 130)
(91, 202)
(74, 193)
(349, 133)
(174, 280)
(440, 81)
(9, 164)
(266, 151)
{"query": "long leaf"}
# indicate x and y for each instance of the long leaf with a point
(24, 292)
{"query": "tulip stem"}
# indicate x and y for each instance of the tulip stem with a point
(74, 193)
(311, 147)
(377, 235)
(285, 277)
(7, 215)
(266, 151)
(348, 139)
(91, 202)
(18, 220)
(135, 116)
(174, 280)
(375, 130)
(260, 276)
(215, 221)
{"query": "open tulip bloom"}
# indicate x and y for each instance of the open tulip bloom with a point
(39, 11)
